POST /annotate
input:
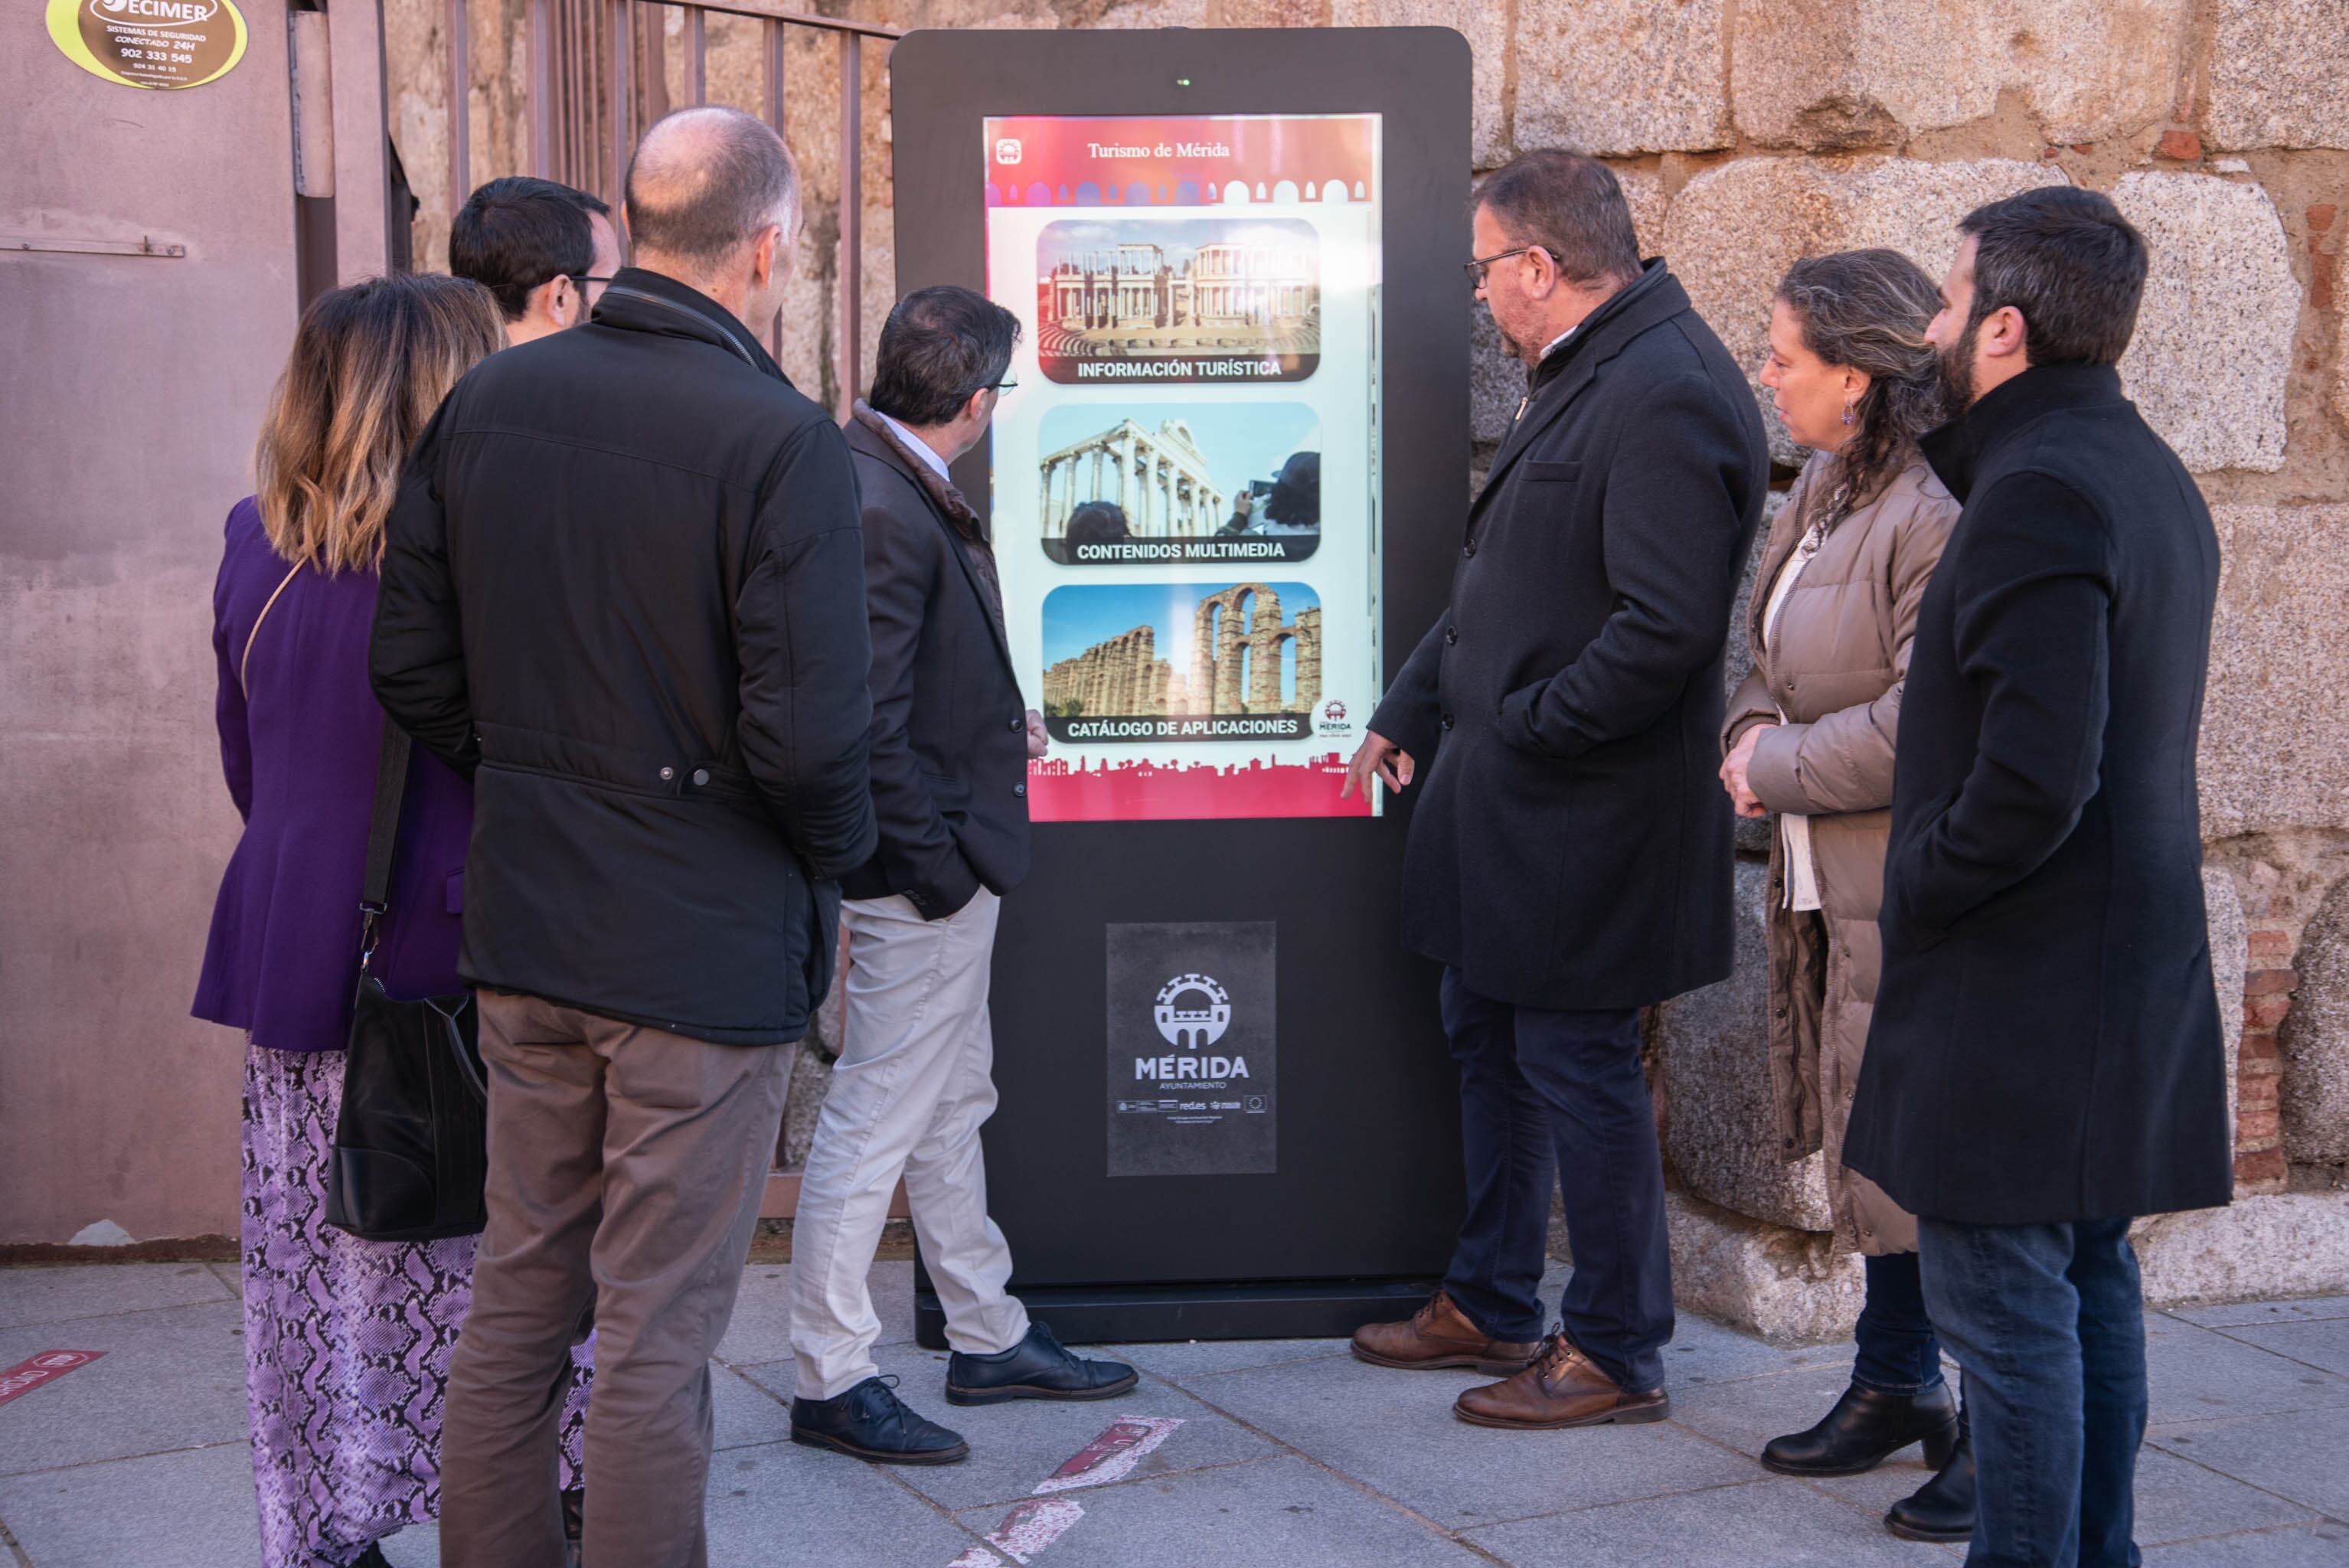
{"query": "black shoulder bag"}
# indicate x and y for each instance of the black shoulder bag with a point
(411, 1145)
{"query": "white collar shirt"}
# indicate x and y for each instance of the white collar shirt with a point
(918, 447)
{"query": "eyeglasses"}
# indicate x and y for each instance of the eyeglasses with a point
(1010, 383)
(1475, 269)
(583, 279)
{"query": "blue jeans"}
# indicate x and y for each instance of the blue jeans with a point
(2049, 1324)
(1898, 1352)
(1551, 1098)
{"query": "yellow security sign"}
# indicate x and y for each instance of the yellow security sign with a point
(150, 42)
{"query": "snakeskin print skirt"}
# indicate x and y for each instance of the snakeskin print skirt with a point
(346, 1342)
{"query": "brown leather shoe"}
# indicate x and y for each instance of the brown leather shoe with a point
(1560, 1390)
(1439, 1335)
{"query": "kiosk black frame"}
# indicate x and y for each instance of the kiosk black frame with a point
(1358, 1220)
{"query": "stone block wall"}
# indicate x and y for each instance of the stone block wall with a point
(1749, 134)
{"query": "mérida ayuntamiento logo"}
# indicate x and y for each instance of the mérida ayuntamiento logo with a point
(1191, 1011)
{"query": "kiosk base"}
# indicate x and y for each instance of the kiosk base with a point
(1103, 1314)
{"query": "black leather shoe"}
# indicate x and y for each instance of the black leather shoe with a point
(1035, 1368)
(870, 1422)
(1864, 1429)
(1944, 1508)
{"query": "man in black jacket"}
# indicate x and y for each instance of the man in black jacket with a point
(951, 742)
(1569, 859)
(625, 589)
(2045, 1061)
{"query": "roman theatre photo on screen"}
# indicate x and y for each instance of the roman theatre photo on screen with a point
(1194, 299)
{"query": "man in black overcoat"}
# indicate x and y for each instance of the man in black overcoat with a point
(2045, 1060)
(1568, 861)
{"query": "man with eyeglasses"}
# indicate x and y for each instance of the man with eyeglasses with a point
(1569, 859)
(951, 742)
(545, 250)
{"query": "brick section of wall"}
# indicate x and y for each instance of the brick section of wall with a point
(2259, 1165)
(2285, 879)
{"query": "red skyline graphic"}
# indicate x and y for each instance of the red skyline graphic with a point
(1136, 792)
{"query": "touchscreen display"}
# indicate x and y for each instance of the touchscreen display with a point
(1185, 479)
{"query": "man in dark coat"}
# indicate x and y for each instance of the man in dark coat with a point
(2045, 1062)
(1569, 861)
(624, 590)
(951, 743)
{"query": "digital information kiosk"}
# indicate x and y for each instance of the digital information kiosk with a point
(1226, 496)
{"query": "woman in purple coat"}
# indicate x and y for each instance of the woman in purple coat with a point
(346, 1341)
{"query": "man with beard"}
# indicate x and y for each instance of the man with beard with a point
(1569, 861)
(2045, 1063)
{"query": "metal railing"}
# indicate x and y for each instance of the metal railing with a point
(586, 112)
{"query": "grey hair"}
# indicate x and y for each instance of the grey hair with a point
(1569, 205)
(705, 181)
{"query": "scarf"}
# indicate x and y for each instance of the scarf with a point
(970, 531)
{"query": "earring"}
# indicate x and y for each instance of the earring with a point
(1849, 418)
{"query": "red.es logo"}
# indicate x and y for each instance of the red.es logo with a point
(1006, 150)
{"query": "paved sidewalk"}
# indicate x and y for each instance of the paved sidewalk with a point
(1285, 1454)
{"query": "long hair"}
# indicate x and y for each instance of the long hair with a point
(1868, 310)
(370, 364)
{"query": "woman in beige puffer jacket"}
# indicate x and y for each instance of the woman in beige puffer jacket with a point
(1809, 742)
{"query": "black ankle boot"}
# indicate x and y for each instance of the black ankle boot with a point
(1944, 1508)
(1864, 1429)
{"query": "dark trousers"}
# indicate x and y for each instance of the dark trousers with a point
(1556, 1098)
(2048, 1323)
(1898, 1352)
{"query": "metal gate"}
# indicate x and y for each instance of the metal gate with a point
(598, 76)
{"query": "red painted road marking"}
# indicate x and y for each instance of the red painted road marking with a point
(46, 1368)
(1025, 1531)
(1113, 1455)
(1032, 1526)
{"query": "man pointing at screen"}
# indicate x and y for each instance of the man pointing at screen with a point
(1568, 859)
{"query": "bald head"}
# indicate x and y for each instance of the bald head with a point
(705, 186)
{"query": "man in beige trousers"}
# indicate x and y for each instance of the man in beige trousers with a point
(624, 590)
(950, 747)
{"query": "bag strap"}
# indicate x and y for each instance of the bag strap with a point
(383, 832)
(246, 661)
